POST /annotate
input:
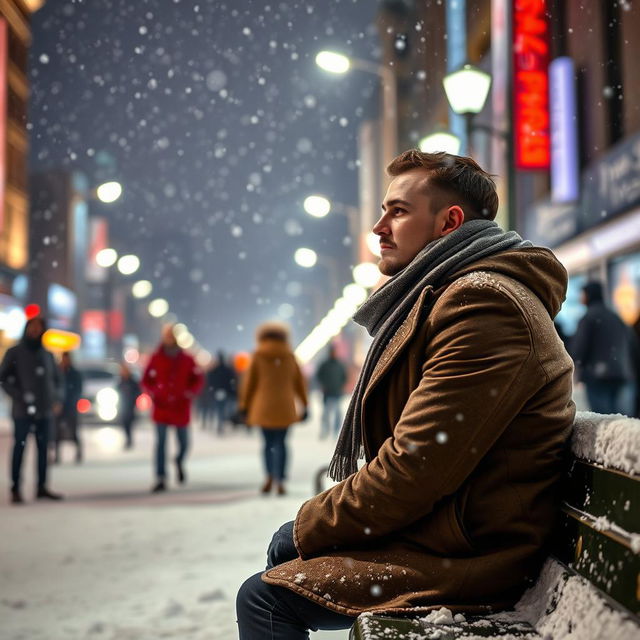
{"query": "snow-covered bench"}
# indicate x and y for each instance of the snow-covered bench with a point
(590, 588)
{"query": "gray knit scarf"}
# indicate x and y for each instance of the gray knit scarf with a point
(385, 310)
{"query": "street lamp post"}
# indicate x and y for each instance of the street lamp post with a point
(339, 64)
(467, 89)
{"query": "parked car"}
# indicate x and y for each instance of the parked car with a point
(99, 401)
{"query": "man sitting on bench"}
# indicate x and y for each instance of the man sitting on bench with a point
(462, 412)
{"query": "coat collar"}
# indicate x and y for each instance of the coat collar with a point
(395, 346)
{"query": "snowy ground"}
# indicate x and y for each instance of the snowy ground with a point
(114, 562)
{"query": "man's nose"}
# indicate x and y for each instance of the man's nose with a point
(381, 227)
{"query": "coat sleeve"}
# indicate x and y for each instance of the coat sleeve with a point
(196, 380)
(148, 381)
(580, 343)
(8, 375)
(248, 384)
(475, 374)
(300, 385)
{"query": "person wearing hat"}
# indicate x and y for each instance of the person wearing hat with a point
(30, 376)
(271, 388)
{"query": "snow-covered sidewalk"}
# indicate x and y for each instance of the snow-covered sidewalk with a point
(114, 562)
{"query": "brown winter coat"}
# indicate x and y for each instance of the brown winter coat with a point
(272, 385)
(465, 420)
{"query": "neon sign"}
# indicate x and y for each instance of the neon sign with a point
(531, 84)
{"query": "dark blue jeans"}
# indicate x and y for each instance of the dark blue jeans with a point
(275, 452)
(22, 428)
(605, 396)
(182, 434)
(267, 612)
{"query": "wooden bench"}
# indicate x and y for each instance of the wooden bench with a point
(590, 587)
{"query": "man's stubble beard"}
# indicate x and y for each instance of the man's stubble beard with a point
(388, 267)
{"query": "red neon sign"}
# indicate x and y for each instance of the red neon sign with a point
(3, 114)
(531, 85)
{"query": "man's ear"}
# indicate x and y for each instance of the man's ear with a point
(453, 220)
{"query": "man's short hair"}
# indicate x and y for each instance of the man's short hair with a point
(457, 180)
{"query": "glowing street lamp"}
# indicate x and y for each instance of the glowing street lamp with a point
(467, 89)
(440, 141)
(109, 192)
(366, 274)
(317, 206)
(141, 289)
(128, 264)
(158, 307)
(333, 62)
(306, 258)
(106, 257)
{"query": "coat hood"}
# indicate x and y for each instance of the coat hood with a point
(535, 267)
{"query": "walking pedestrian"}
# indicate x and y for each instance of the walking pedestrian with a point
(222, 387)
(30, 376)
(67, 423)
(332, 376)
(462, 412)
(603, 349)
(269, 392)
(129, 391)
(172, 379)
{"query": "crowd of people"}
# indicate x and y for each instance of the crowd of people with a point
(272, 395)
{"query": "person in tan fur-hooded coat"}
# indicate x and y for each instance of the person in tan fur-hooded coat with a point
(273, 396)
(462, 412)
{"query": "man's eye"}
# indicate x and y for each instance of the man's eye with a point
(400, 210)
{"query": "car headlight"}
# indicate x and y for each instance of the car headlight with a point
(107, 397)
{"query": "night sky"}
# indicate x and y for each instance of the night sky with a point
(220, 124)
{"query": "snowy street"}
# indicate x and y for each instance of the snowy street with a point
(114, 562)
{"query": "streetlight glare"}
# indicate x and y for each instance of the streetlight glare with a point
(109, 192)
(128, 264)
(158, 307)
(141, 289)
(440, 141)
(106, 257)
(373, 243)
(355, 293)
(185, 340)
(180, 329)
(467, 89)
(317, 206)
(333, 62)
(306, 258)
(366, 274)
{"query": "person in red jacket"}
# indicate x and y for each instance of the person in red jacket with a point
(172, 379)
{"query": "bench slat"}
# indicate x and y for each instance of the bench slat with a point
(372, 627)
(604, 493)
(604, 558)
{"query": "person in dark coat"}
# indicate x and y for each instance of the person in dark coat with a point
(221, 390)
(603, 349)
(172, 379)
(66, 424)
(332, 376)
(128, 390)
(636, 329)
(30, 376)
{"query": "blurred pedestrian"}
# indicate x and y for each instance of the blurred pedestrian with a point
(268, 396)
(172, 379)
(222, 387)
(603, 349)
(332, 376)
(66, 423)
(128, 390)
(30, 376)
(636, 329)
